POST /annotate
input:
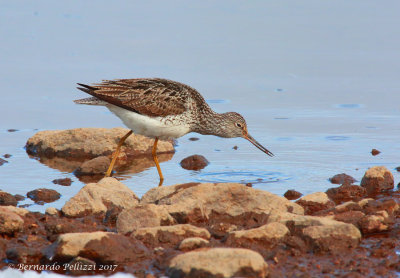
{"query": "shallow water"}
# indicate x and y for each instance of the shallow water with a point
(316, 81)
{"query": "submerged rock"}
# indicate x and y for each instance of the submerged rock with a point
(91, 143)
(63, 182)
(218, 263)
(98, 165)
(100, 197)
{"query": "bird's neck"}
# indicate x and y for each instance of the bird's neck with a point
(210, 123)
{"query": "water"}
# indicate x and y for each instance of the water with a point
(317, 82)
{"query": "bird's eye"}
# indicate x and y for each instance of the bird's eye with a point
(238, 125)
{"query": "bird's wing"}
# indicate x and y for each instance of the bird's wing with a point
(151, 97)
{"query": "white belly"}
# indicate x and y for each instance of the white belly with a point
(151, 127)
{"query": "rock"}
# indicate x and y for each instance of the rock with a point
(315, 202)
(348, 206)
(194, 162)
(377, 179)
(80, 266)
(223, 207)
(193, 139)
(218, 263)
(351, 217)
(19, 197)
(2, 161)
(264, 237)
(333, 237)
(43, 195)
(7, 155)
(292, 194)
(342, 179)
(101, 247)
(100, 197)
(375, 152)
(169, 235)
(12, 130)
(63, 182)
(6, 199)
(373, 224)
(140, 216)
(98, 165)
(320, 233)
(346, 193)
(192, 243)
(398, 169)
(91, 143)
(52, 211)
(10, 220)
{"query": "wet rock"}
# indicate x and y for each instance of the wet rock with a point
(169, 235)
(102, 247)
(63, 182)
(377, 179)
(98, 165)
(398, 169)
(2, 161)
(192, 243)
(351, 217)
(12, 130)
(373, 224)
(235, 147)
(140, 216)
(194, 162)
(321, 233)
(371, 206)
(6, 199)
(342, 179)
(7, 155)
(346, 193)
(315, 202)
(91, 143)
(100, 197)
(11, 220)
(223, 207)
(218, 263)
(193, 138)
(264, 237)
(375, 152)
(292, 194)
(19, 197)
(43, 195)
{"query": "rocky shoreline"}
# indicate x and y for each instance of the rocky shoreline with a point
(201, 229)
(212, 230)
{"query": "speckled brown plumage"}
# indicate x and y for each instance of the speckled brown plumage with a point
(154, 97)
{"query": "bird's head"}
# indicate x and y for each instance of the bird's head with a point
(235, 126)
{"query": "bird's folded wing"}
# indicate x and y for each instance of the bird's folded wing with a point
(151, 97)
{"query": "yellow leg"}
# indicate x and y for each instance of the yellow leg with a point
(116, 153)
(154, 153)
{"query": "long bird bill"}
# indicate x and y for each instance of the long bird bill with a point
(258, 145)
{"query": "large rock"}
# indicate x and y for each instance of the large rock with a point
(140, 216)
(321, 233)
(11, 219)
(223, 207)
(103, 247)
(264, 237)
(91, 142)
(315, 202)
(377, 179)
(218, 263)
(169, 235)
(346, 193)
(100, 197)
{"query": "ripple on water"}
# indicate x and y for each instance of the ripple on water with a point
(254, 177)
(337, 138)
(348, 105)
